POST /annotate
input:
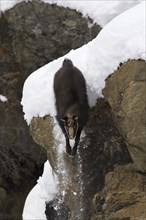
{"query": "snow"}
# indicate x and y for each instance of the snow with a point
(100, 12)
(43, 192)
(121, 39)
(8, 4)
(3, 98)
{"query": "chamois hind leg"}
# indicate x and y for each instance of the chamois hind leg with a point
(77, 139)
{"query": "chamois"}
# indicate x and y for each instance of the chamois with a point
(71, 103)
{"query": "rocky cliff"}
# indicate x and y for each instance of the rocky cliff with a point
(31, 35)
(106, 179)
(128, 103)
(124, 192)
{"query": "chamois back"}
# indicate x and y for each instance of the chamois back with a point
(71, 98)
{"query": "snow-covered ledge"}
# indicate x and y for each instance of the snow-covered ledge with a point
(122, 39)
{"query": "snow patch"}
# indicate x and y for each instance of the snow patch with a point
(8, 4)
(3, 98)
(100, 12)
(44, 191)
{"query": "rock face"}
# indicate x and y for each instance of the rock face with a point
(123, 196)
(19, 158)
(31, 35)
(101, 181)
(82, 176)
(43, 32)
(128, 103)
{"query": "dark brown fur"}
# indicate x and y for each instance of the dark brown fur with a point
(71, 99)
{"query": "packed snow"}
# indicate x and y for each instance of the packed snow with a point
(122, 38)
(3, 98)
(44, 191)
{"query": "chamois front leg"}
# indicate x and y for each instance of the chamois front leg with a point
(68, 147)
(77, 139)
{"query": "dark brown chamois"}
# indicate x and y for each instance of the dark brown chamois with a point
(71, 102)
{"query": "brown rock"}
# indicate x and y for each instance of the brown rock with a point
(128, 103)
(41, 130)
(123, 196)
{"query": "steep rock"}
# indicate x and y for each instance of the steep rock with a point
(128, 104)
(82, 176)
(123, 196)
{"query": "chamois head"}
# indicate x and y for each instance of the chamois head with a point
(71, 125)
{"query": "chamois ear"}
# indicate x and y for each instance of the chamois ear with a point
(64, 119)
(76, 118)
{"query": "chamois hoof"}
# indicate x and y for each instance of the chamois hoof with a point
(69, 151)
(73, 153)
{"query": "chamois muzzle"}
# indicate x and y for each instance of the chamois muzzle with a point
(71, 132)
(71, 126)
